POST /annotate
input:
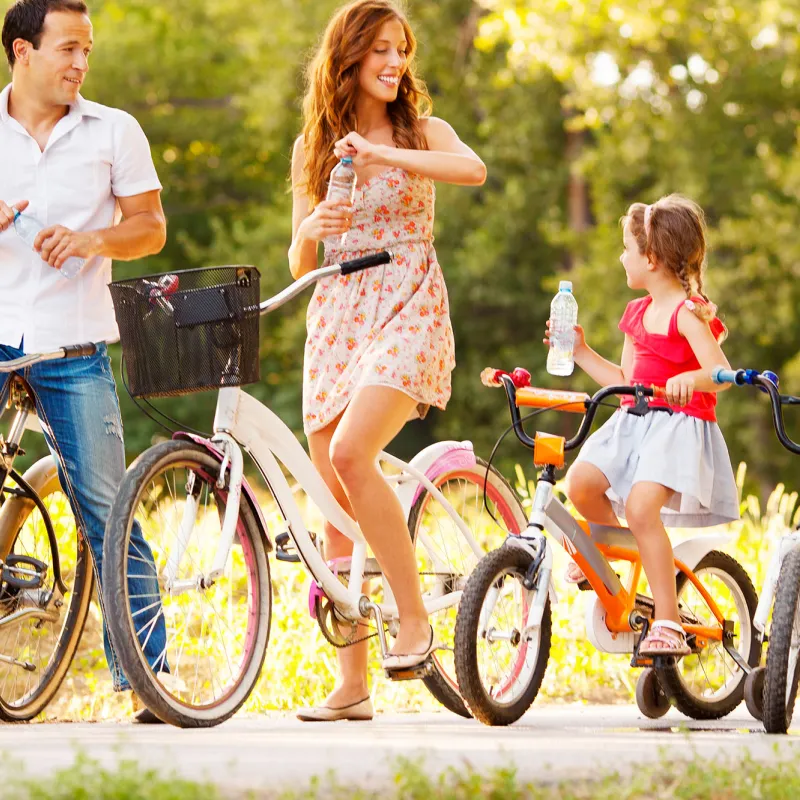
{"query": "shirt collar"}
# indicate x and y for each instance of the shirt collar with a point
(81, 106)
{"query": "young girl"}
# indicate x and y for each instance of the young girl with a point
(380, 344)
(670, 466)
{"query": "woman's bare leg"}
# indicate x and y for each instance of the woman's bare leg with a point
(351, 684)
(375, 415)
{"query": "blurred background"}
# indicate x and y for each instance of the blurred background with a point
(577, 108)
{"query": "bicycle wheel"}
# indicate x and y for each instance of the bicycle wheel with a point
(781, 674)
(708, 683)
(37, 650)
(206, 641)
(499, 668)
(445, 558)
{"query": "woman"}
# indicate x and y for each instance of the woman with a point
(379, 350)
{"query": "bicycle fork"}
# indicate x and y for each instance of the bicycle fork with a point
(537, 579)
(234, 461)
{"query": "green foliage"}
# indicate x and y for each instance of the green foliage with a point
(698, 779)
(577, 109)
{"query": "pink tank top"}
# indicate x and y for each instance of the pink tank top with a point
(657, 357)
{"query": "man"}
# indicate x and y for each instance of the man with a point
(85, 172)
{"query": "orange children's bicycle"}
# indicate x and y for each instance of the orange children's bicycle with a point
(502, 638)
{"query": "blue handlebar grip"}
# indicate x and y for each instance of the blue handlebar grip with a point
(722, 375)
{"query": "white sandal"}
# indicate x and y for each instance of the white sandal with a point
(665, 638)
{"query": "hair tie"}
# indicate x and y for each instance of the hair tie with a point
(648, 211)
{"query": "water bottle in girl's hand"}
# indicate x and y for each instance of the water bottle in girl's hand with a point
(28, 227)
(342, 184)
(563, 319)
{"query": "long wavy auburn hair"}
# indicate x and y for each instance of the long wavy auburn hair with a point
(329, 106)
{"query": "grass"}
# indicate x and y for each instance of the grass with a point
(300, 665)
(743, 779)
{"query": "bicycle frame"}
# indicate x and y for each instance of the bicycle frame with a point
(591, 546)
(243, 423)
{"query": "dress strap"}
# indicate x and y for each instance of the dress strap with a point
(673, 320)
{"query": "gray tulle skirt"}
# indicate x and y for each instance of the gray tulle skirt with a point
(683, 453)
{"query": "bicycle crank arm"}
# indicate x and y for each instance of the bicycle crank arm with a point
(39, 613)
(26, 665)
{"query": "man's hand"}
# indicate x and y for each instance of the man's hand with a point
(7, 213)
(57, 243)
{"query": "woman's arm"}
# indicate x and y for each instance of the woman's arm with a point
(708, 352)
(309, 228)
(447, 160)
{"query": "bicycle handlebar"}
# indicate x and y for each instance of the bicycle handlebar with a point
(767, 382)
(345, 268)
(29, 359)
(591, 404)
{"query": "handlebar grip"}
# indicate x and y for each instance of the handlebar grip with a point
(721, 375)
(357, 264)
(78, 350)
(659, 392)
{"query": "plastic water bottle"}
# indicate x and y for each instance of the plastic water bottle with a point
(563, 319)
(28, 227)
(342, 184)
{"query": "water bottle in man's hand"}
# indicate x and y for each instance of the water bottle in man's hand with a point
(342, 184)
(28, 227)
(563, 319)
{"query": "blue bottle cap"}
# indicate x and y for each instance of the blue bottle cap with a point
(347, 160)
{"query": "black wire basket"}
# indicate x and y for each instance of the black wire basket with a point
(189, 331)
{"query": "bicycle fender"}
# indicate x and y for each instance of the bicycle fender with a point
(693, 550)
(247, 491)
(435, 460)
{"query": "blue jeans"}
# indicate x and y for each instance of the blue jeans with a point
(76, 400)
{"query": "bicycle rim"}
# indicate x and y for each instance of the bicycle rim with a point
(44, 646)
(198, 638)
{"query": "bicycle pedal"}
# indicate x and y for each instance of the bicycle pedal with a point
(23, 572)
(284, 549)
(414, 673)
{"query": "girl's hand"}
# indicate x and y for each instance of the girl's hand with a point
(680, 389)
(578, 343)
(329, 218)
(355, 146)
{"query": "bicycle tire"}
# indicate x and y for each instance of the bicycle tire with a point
(166, 706)
(440, 684)
(686, 701)
(483, 706)
(778, 709)
(17, 511)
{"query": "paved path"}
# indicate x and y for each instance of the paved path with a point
(550, 742)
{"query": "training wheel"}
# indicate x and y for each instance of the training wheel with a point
(754, 693)
(650, 697)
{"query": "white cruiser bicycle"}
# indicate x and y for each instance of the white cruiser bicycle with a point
(209, 606)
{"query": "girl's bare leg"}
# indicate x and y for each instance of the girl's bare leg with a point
(643, 515)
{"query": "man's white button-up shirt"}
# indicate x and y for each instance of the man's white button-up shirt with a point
(95, 154)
